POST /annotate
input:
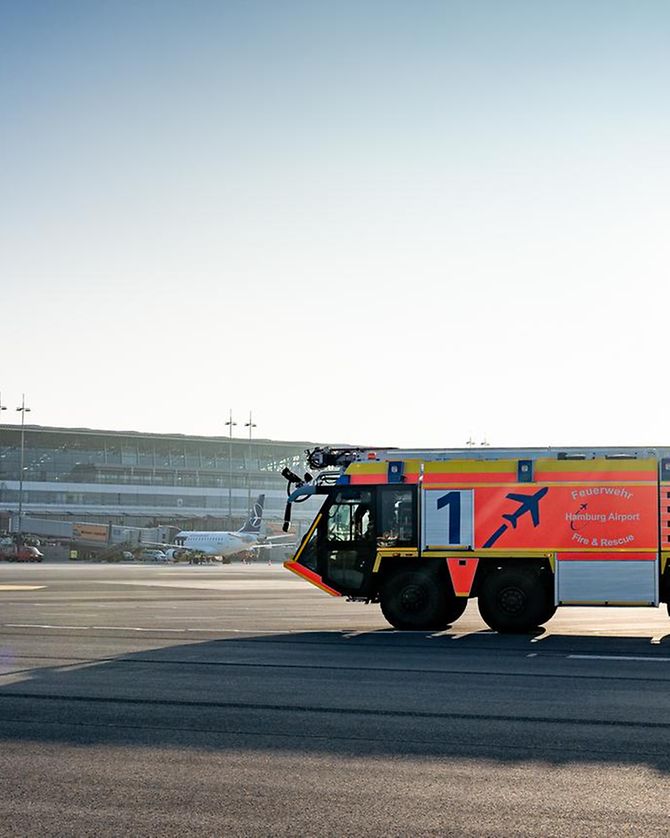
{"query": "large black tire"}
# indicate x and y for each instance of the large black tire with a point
(414, 600)
(515, 600)
(455, 606)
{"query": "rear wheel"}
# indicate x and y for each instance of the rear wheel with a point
(515, 600)
(415, 600)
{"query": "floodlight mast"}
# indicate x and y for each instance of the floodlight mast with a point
(251, 425)
(23, 410)
(230, 425)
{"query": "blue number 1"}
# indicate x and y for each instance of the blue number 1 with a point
(453, 501)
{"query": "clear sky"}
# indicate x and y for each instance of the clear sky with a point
(401, 223)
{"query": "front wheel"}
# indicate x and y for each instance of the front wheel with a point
(515, 600)
(414, 600)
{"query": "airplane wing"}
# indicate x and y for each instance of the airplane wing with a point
(522, 499)
(279, 539)
(265, 545)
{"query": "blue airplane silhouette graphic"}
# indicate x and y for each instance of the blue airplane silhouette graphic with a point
(528, 503)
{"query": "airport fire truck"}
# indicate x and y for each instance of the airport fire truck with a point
(522, 530)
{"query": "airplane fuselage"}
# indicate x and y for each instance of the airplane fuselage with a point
(217, 543)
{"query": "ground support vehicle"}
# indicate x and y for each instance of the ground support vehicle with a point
(151, 555)
(20, 553)
(176, 555)
(522, 530)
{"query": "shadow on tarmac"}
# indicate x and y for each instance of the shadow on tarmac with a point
(558, 700)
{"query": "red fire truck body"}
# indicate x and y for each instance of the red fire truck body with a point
(523, 530)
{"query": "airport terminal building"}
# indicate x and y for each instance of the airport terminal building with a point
(140, 479)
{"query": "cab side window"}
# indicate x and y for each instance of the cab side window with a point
(350, 518)
(397, 517)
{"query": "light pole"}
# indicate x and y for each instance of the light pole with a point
(23, 410)
(2, 407)
(251, 426)
(230, 425)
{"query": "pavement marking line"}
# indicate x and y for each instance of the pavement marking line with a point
(212, 584)
(131, 628)
(22, 587)
(40, 626)
(161, 629)
(618, 658)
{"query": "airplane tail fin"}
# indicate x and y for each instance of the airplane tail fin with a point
(253, 522)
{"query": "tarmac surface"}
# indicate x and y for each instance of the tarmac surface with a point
(237, 700)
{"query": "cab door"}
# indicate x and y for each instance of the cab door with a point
(347, 542)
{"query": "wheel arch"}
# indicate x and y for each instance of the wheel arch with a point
(390, 566)
(493, 564)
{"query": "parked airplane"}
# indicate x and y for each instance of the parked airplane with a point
(222, 543)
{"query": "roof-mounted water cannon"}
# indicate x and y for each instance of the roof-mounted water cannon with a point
(302, 491)
(299, 489)
(320, 458)
(292, 479)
